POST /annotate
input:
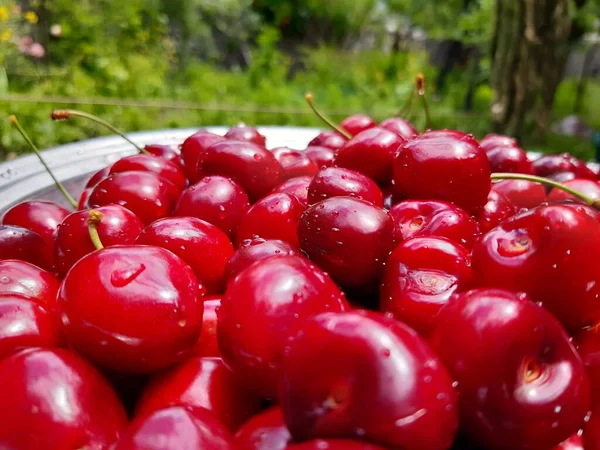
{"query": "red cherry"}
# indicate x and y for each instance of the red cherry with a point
(175, 428)
(262, 306)
(201, 245)
(370, 152)
(414, 218)
(548, 165)
(591, 432)
(192, 150)
(297, 187)
(165, 152)
(40, 217)
(399, 394)
(153, 164)
(401, 127)
(55, 399)
(496, 140)
(98, 177)
(205, 383)
(356, 123)
(295, 163)
(334, 444)
(243, 133)
(443, 166)
(588, 346)
(84, 199)
(217, 200)
(575, 442)
(253, 250)
(536, 251)
(322, 156)
(521, 193)
(131, 309)
(264, 431)
(118, 226)
(207, 344)
(348, 238)
(340, 182)
(328, 139)
(147, 195)
(276, 216)
(25, 323)
(588, 187)
(252, 166)
(509, 159)
(25, 245)
(421, 275)
(496, 210)
(521, 383)
(27, 280)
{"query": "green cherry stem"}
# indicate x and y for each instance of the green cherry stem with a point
(64, 114)
(407, 105)
(328, 121)
(420, 89)
(535, 179)
(94, 219)
(15, 122)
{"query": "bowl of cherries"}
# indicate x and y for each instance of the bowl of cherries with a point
(378, 288)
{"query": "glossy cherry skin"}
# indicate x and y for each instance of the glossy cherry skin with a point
(98, 177)
(443, 166)
(132, 309)
(243, 133)
(298, 187)
(496, 140)
(334, 444)
(192, 150)
(509, 159)
(118, 226)
(165, 152)
(591, 432)
(262, 306)
(27, 280)
(521, 383)
(414, 218)
(264, 431)
(84, 198)
(207, 345)
(588, 187)
(401, 127)
(356, 123)
(40, 217)
(588, 347)
(205, 383)
(370, 152)
(250, 165)
(256, 249)
(217, 200)
(399, 395)
(276, 216)
(175, 428)
(340, 182)
(420, 277)
(575, 442)
(549, 165)
(154, 164)
(204, 247)
(521, 193)
(496, 210)
(26, 245)
(147, 195)
(295, 163)
(55, 399)
(25, 324)
(348, 238)
(550, 253)
(329, 139)
(322, 156)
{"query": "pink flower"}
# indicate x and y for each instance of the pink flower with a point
(36, 50)
(24, 43)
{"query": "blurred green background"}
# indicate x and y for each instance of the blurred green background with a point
(153, 64)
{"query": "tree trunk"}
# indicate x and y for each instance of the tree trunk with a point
(529, 53)
(590, 55)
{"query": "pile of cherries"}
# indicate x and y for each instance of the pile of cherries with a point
(381, 288)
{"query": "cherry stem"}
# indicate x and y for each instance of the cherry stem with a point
(94, 219)
(64, 114)
(535, 179)
(15, 122)
(420, 84)
(406, 107)
(328, 121)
